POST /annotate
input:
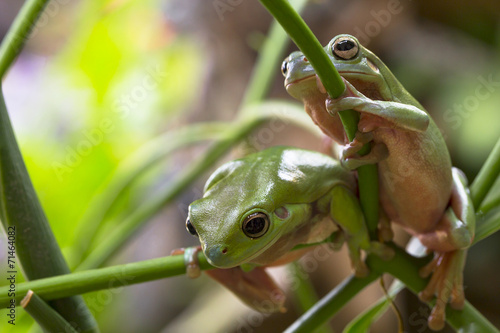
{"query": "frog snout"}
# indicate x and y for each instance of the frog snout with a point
(217, 255)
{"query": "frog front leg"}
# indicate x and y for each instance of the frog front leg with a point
(255, 288)
(345, 211)
(374, 114)
(450, 240)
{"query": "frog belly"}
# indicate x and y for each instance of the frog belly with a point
(415, 182)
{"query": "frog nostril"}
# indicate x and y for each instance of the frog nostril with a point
(305, 59)
(224, 250)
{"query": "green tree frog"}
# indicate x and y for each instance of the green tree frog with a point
(419, 189)
(257, 209)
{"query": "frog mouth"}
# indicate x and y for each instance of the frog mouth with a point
(319, 84)
(287, 84)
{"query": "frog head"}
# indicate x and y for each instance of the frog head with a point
(355, 63)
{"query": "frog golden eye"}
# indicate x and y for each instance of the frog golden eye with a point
(345, 48)
(284, 67)
(190, 228)
(255, 225)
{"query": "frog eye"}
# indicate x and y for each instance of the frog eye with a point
(284, 67)
(345, 48)
(190, 228)
(255, 225)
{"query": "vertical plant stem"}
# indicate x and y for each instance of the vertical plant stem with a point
(300, 33)
(19, 33)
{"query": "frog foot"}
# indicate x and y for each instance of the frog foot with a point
(377, 248)
(190, 260)
(446, 283)
(385, 233)
(378, 152)
(380, 249)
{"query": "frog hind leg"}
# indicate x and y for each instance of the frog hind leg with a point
(255, 288)
(450, 241)
(345, 211)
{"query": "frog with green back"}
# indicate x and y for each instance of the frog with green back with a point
(419, 189)
(257, 209)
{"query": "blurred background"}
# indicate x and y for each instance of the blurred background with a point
(98, 80)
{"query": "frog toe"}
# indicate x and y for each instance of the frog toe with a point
(383, 251)
(360, 269)
(446, 283)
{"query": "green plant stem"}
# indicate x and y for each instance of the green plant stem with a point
(48, 319)
(103, 278)
(304, 293)
(300, 33)
(486, 176)
(19, 33)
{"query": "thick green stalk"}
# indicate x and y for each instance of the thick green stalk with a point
(19, 33)
(300, 33)
(34, 245)
(45, 316)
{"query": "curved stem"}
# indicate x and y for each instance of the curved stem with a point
(300, 33)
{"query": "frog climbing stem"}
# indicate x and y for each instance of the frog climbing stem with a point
(300, 33)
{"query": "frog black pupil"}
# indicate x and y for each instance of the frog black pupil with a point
(344, 45)
(255, 225)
